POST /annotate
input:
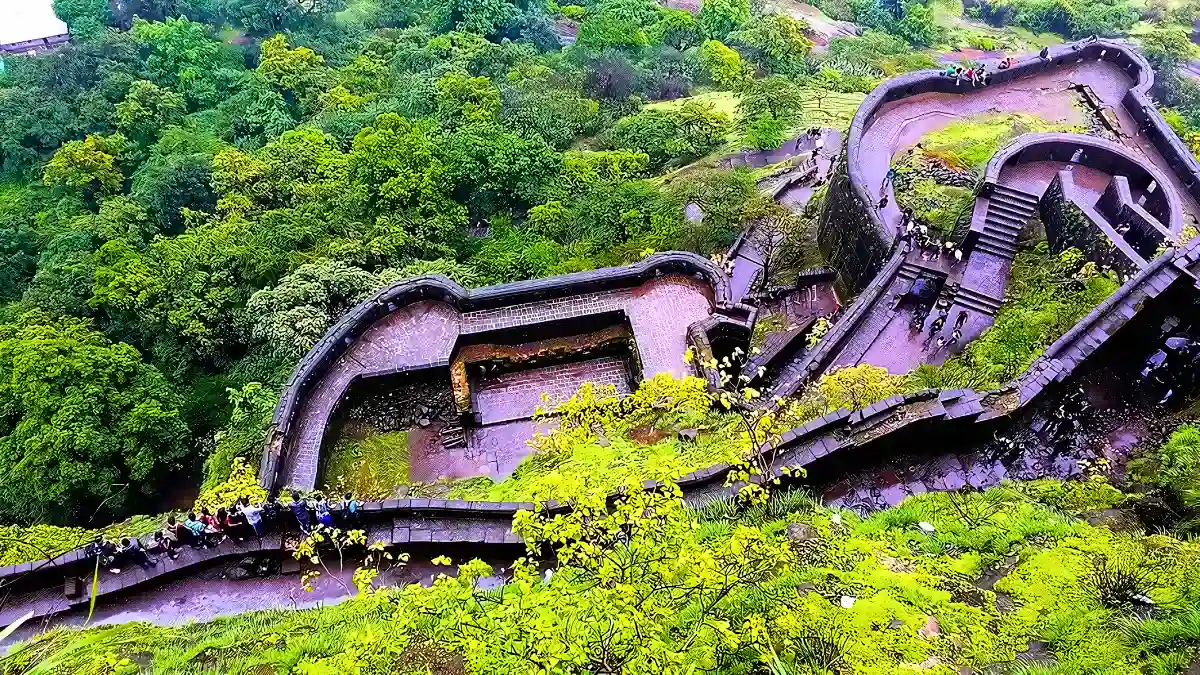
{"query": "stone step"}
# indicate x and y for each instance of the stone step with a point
(1002, 228)
(977, 301)
(998, 215)
(1017, 212)
(998, 234)
(453, 436)
(908, 271)
(998, 240)
(997, 248)
(1015, 195)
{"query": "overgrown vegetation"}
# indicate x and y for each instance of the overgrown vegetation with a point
(1047, 294)
(937, 180)
(369, 467)
(787, 586)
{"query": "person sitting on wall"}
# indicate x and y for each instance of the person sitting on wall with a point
(212, 528)
(950, 69)
(164, 545)
(131, 549)
(103, 551)
(1044, 54)
(196, 530)
(175, 531)
(232, 523)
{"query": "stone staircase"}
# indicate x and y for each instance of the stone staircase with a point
(908, 271)
(454, 436)
(973, 299)
(1008, 210)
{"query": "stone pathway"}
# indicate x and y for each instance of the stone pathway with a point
(1049, 95)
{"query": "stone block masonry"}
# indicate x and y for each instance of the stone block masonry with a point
(418, 324)
(516, 395)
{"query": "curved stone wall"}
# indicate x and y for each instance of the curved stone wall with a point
(822, 446)
(316, 364)
(857, 269)
(840, 437)
(1100, 154)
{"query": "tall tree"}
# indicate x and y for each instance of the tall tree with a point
(719, 18)
(85, 422)
(148, 108)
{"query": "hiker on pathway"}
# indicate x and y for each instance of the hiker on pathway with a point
(350, 507)
(324, 517)
(252, 515)
(938, 322)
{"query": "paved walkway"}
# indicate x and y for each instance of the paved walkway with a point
(1050, 96)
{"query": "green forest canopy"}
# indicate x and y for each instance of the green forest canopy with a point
(198, 188)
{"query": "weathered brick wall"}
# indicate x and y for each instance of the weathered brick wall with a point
(850, 239)
(1068, 225)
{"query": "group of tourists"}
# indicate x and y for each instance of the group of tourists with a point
(976, 75)
(207, 529)
(932, 247)
(942, 308)
(939, 322)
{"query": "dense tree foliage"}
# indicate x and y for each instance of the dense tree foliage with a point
(208, 184)
(84, 421)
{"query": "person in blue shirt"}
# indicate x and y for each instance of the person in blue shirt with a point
(350, 507)
(196, 528)
(324, 517)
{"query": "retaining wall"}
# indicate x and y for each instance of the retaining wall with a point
(354, 323)
(1163, 204)
(1071, 223)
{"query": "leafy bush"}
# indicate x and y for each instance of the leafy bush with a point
(684, 134)
(242, 482)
